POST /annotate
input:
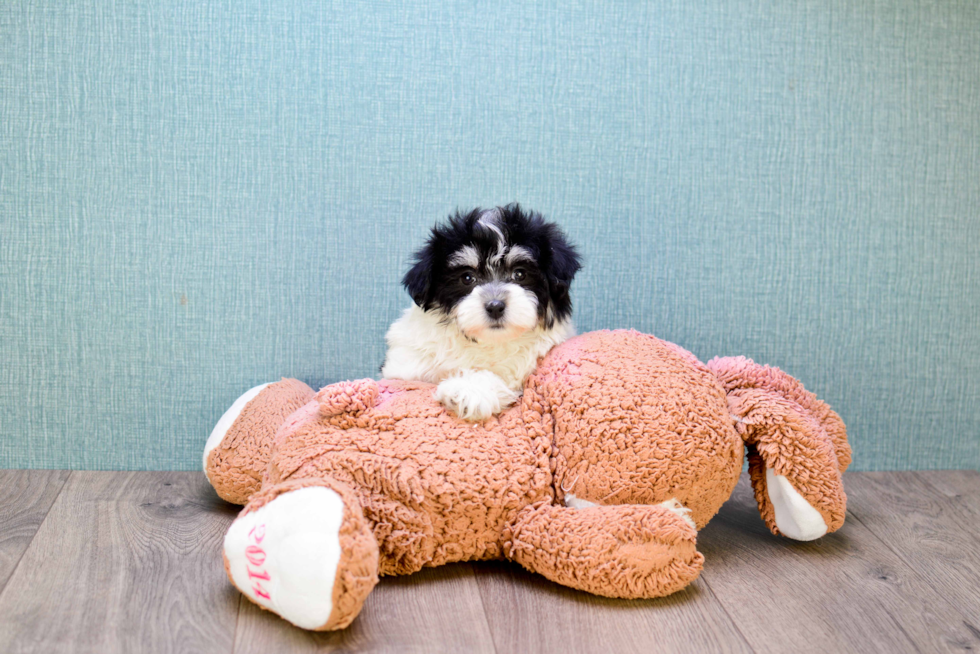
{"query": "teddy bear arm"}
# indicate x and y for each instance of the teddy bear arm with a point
(236, 454)
(624, 551)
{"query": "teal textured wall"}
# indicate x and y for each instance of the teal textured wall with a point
(197, 199)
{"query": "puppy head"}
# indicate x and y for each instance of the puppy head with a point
(496, 273)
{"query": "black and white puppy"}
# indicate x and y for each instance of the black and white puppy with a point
(491, 292)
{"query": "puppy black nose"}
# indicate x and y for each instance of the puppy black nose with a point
(495, 309)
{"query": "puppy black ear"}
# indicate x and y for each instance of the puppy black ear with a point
(418, 280)
(565, 260)
(564, 263)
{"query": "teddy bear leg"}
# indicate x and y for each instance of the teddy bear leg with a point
(627, 551)
(304, 551)
(797, 448)
(237, 451)
(793, 466)
(783, 503)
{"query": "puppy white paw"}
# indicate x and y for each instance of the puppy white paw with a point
(475, 394)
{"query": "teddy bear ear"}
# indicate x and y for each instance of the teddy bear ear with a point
(347, 397)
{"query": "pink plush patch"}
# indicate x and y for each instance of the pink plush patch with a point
(295, 420)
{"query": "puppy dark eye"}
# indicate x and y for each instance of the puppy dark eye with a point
(467, 279)
(519, 275)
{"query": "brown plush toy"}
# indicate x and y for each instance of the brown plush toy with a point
(622, 446)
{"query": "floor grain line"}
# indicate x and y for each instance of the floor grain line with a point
(908, 636)
(950, 484)
(486, 618)
(238, 619)
(851, 515)
(13, 569)
(707, 583)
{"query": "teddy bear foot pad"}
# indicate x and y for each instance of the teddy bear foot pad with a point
(284, 555)
(795, 517)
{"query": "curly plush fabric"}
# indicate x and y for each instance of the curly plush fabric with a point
(638, 421)
(633, 428)
(358, 565)
(789, 431)
(645, 551)
(236, 466)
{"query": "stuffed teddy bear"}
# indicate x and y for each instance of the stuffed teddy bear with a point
(621, 448)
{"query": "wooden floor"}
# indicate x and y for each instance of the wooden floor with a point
(130, 562)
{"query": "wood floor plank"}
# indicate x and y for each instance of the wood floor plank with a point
(27, 497)
(934, 533)
(528, 613)
(846, 592)
(124, 562)
(130, 562)
(435, 610)
(962, 485)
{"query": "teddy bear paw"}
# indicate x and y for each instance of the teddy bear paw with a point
(284, 555)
